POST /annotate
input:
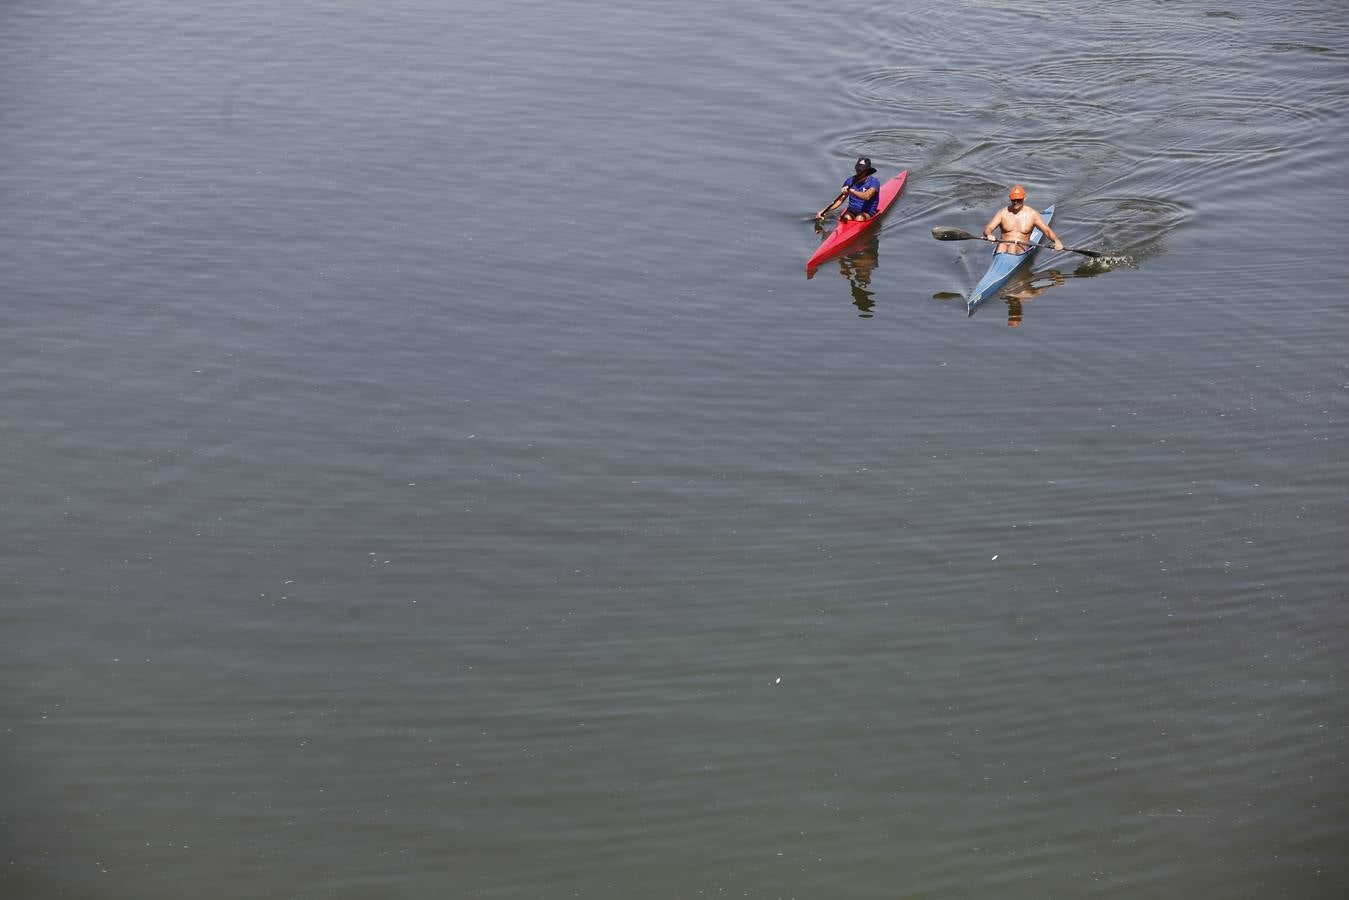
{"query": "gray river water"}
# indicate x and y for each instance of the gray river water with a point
(429, 472)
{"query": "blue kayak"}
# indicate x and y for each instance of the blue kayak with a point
(1004, 267)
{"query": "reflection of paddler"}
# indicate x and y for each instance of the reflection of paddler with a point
(862, 191)
(1029, 292)
(859, 264)
(1015, 221)
(861, 298)
(857, 268)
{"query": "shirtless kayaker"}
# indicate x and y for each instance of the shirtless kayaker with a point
(1016, 221)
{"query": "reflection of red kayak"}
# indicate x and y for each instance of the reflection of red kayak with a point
(846, 233)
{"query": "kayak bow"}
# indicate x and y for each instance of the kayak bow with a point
(845, 234)
(1003, 267)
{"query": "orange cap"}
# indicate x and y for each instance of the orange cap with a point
(1016, 193)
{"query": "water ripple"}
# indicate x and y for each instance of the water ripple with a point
(906, 88)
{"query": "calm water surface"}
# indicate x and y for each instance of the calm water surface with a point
(430, 473)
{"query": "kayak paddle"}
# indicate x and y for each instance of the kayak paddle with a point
(832, 203)
(942, 233)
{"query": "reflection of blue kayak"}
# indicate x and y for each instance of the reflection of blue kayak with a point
(1004, 267)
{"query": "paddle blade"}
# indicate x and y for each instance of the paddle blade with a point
(1092, 253)
(942, 233)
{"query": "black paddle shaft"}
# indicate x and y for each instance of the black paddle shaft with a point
(943, 233)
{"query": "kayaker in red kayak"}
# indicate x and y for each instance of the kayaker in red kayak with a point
(861, 191)
(1016, 220)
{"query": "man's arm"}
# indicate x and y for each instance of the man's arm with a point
(824, 212)
(1049, 232)
(863, 195)
(992, 223)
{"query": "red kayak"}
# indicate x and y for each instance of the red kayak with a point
(845, 234)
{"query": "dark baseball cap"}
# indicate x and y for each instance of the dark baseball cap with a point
(864, 164)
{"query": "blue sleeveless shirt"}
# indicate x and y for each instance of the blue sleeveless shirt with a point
(858, 205)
